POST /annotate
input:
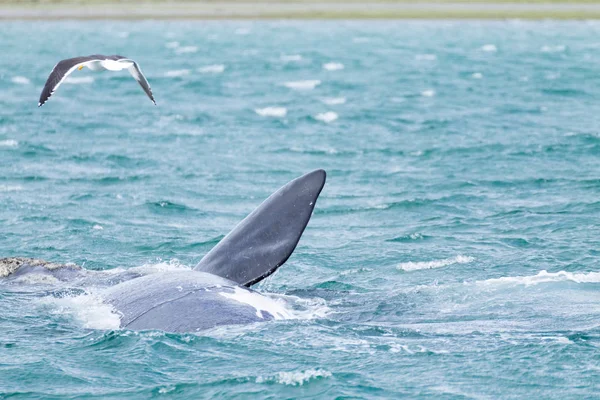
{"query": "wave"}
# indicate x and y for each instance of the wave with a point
(415, 266)
(186, 49)
(177, 73)
(303, 85)
(428, 93)
(271, 111)
(88, 308)
(168, 206)
(409, 238)
(20, 80)
(9, 143)
(333, 101)
(490, 48)
(333, 66)
(295, 378)
(212, 69)
(291, 57)
(326, 117)
(544, 277)
(10, 188)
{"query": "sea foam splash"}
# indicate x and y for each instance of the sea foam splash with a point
(333, 66)
(334, 101)
(291, 57)
(10, 188)
(303, 85)
(544, 277)
(295, 378)
(8, 143)
(20, 80)
(177, 73)
(212, 69)
(326, 117)
(271, 111)
(415, 266)
(259, 302)
(88, 308)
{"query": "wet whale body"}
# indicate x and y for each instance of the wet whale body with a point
(217, 291)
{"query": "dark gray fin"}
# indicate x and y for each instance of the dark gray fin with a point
(266, 238)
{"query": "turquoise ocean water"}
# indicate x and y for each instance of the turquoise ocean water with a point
(454, 252)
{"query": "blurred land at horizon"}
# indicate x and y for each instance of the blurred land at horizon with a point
(299, 9)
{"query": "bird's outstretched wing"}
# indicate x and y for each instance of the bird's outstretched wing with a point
(59, 73)
(136, 72)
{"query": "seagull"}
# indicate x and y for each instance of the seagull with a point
(95, 62)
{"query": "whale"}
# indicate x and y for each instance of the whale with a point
(218, 290)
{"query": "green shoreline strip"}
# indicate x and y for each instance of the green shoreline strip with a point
(302, 9)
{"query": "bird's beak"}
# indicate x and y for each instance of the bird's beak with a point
(80, 67)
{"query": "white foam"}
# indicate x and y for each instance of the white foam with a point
(545, 277)
(97, 227)
(326, 117)
(186, 49)
(259, 302)
(172, 265)
(291, 57)
(295, 378)
(77, 80)
(426, 57)
(212, 69)
(415, 266)
(172, 45)
(20, 80)
(333, 101)
(333, 66)
(166, 389)
(10, 188)
(303, 85)
(271, 111)
(477, 75)
(553, 49)
(9, 143)
(490, 48)
(177, 72)
(301, 308)
(428, 93)
(89, 309)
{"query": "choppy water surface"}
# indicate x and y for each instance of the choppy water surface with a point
(453, 253)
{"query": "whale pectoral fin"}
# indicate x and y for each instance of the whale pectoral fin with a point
(266, 238)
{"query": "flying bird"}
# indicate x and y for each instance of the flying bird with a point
(95, 62)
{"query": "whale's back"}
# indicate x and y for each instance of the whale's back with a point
(188, 301)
